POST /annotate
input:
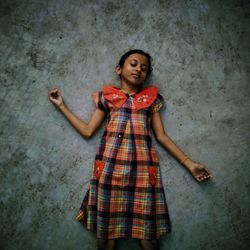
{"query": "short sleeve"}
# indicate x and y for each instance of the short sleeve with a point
(158, 103)
(100, 101)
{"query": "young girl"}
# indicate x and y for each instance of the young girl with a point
(125, 196)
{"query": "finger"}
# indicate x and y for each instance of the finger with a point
(54, 95)
(208, 171)
(206, 178)
(53, 90)
(207, 174)
(204, 170)
(50, 94)
(198, 179)
(52, 99)
(203, 177)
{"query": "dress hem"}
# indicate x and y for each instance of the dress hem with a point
(94, 230)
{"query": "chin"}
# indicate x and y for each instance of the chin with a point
(134, 82)
(137, 82)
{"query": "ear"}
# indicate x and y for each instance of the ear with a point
(118, 69)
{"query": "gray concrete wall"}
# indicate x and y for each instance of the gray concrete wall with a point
(201, 65)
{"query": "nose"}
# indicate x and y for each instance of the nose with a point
(138, 68)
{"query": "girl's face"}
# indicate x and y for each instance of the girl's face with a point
(134, 70)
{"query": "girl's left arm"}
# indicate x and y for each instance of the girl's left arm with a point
(199, 171)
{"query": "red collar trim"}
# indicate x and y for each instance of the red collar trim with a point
(116, 97)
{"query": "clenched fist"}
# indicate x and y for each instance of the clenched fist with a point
(55, 97)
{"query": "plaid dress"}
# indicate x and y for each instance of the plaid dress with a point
(125, 196)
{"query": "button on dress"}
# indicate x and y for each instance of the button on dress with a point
(125, 197)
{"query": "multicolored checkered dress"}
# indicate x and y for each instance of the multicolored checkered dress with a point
(125, 196)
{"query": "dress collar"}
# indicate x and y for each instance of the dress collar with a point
(131, 94)
(143, 99)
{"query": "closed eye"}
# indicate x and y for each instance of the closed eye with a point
(143, 66)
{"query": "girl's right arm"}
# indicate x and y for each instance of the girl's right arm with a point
(85, 129)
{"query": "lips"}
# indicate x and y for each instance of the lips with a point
(136, 75)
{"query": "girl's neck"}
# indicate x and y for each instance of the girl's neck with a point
(130, 89)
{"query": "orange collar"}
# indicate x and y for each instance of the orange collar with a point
(116, 97)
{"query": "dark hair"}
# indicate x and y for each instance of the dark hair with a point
(137, 51)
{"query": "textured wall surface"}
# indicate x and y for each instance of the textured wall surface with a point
(201, 52)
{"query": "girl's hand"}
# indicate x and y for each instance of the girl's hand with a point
(199, 171)
(55, 97)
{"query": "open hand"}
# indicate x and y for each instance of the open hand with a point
(55, 97)
(199, 171)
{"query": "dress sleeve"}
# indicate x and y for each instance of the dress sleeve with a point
(158, 103)
(100, 101)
